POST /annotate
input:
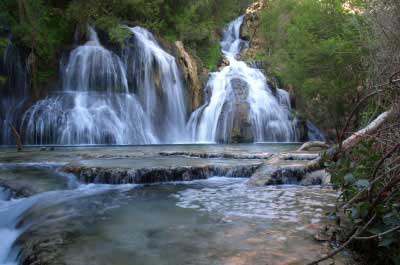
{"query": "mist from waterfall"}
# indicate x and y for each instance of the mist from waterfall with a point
(14, 92)
(269, 111)
(108, 100)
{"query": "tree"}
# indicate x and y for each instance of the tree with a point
(316, 47)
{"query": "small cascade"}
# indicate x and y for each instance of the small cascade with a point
(19, 216)
(242, 107)
(14, 91)
(158, 83)
(95, 105)
(93, 68)
(313, 133)
(10, 212)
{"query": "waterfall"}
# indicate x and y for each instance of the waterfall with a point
(14, 91)
(135, 98)
(241, 101)
(97, 106)
(158, 82)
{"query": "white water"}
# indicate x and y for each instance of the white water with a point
(158, 82)
(138, 97)
(102, 97)
(13, 93)
(269, 114)
(12, 210)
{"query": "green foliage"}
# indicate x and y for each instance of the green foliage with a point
(194, 22)
(112, 26)
(3, 45)
(3, 80)
(210, 55)
(352, 174)
(46, 27)
(316, 47)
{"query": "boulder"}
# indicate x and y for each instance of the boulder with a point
(319, 177)
(278, 171)
(223, 62)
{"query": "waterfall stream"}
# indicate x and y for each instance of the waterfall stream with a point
(158, 82)
(137, 96)
(14, 92)
(239, 96)
(108, 100)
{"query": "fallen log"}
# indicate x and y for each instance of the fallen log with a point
(374, 126)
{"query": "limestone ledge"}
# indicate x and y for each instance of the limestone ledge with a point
(158, 174)
(262, 169)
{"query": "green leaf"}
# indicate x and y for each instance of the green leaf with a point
(386, 242)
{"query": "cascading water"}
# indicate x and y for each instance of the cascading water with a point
(14, 92)
(102, 97)
(95, 105)
(240, 96)
(158, 83)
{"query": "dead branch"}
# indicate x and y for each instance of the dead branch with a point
(339, 249)
(394, 229)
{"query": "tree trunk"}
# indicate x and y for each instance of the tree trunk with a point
(16, 136)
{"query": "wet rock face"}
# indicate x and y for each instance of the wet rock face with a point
(250, 30)
(190, 71)
(235, 120)
(157, 175)
(223, 62)
(17, 190)
(241, 131)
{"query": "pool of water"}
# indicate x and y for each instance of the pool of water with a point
(64, 154)
(215, 221)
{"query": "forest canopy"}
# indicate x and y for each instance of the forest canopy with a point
(47, 27)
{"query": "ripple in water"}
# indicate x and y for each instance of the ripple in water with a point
(234, 198)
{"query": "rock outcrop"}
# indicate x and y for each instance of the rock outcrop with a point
(241, 129)
(190, 71)
(251, 32)
(235, 120)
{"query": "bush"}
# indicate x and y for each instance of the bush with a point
(357, 175)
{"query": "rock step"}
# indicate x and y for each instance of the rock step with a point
(278, 172)
(155, 175)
